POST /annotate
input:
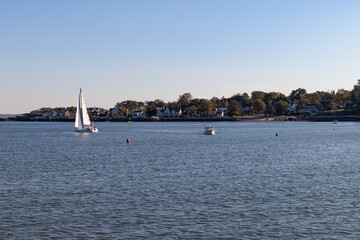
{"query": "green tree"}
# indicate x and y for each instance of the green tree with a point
(184, 100)
(313, 98)
(355, 94)
(217, 102)
(259, 106)
(280, 107)
(234, 109)
(192, 110)
(342, 97)
(328, 104)
(206, 107)
(72, 109)
(269, 109)
(297, 95)
(255, 95)
(152, 106)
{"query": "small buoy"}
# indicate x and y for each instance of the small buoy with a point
(127, 140)
(276, 134)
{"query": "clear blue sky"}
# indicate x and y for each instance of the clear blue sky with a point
(159, 49)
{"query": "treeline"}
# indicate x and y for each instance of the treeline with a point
(258, 102)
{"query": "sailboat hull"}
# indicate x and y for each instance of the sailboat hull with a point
(86, 130)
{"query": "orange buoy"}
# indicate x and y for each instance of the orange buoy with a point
(127, 140)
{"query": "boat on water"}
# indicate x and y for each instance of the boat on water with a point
(209, 130)
(82, 120)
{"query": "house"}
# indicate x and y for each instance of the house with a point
(311, 109)
(114, 112)
(247, 110)
(63, 113)
(176, 113)
(220, 111)
(161, 112)
(138, 114)
(51, 113)
(292, 108)
(94, 111)
(166, 113)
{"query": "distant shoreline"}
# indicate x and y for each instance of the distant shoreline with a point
(350, 118)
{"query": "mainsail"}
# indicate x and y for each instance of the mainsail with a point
(85, 115)
(82, 117)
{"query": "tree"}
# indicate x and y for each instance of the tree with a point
(259, 106)
(172, 105)
(297, 95)
(312, 98)
(269, 109)
(355, 94)
(192, 111)
(184, 100)
(206, 107)
(72, 109)
(328, 104)
(195, 102)
(217, 102)
(257, 95)
(342, 97)
(234, 109)
(280, 107)
(152, 106)
(128, 106)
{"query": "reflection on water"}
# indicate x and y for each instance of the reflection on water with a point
(173, 182)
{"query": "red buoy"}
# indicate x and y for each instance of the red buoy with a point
(127, 140)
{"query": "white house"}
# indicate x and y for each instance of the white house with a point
(114, 112)
(220, 111)
(138, 114)
(176, 113)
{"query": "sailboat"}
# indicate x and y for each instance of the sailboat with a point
(82, 120)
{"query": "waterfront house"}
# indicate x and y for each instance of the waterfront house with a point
(166, 113)
(138, 114)
(161, 112)
(63, 113)
(115, 112)
(220, 111)
(247, 110)
(292, 108)
(311, 109)
(176, 113)
(51, 113)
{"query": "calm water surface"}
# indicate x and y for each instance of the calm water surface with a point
(171, 181)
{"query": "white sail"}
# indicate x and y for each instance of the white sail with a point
(78, 119)
(82, 120)
(85, 115)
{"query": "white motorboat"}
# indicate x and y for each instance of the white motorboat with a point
(209, 130)
(82, 120)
